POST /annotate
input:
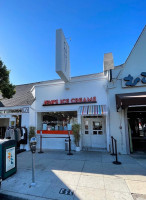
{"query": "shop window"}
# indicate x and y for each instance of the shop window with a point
(58, 120)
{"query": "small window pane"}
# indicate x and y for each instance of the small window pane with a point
(86, 125)
(100, 133)
(94, 132)
(86, 132)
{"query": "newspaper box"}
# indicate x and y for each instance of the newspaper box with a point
(8, 159)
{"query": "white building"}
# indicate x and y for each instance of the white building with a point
(127, 100)
(83, 101)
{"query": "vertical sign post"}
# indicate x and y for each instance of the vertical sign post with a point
(69, 127)
(40, 143)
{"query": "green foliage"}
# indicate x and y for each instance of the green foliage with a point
(6, 88)
(76, 133)
(32, 132)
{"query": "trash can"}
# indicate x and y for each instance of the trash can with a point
(8, 159)
(66, 144)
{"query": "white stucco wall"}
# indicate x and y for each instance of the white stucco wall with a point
(25, 120)
(77, 88)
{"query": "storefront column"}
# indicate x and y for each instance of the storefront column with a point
(107, 125)
(126, 131)
(121, 140)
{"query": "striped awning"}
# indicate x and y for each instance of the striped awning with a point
(92, 110)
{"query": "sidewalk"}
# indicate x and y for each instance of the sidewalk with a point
(89, 175)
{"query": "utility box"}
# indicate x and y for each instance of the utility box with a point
(8, 158)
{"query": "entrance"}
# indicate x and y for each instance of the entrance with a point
(137, 128)
(4, 123)
(93, 133)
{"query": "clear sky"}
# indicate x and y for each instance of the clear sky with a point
(28, 28)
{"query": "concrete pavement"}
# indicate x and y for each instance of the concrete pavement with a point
(89, 175)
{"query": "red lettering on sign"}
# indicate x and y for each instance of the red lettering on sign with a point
(94, 98)
(45, 102)
(56, 101)
(80, 100)
(89, 99)
(84, 100)
(64, 101)
(67, 101)
(76, 100)
(73, 100)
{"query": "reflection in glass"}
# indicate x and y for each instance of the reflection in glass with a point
(86, 125)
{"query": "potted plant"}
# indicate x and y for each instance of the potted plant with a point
(76, 133)
(31, 132)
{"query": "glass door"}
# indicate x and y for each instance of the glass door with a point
(94, 133)
(98, 138)
(86, 132)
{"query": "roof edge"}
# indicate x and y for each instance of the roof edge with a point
(135, 43)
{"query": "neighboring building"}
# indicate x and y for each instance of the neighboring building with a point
(127, 100)
(18, 110)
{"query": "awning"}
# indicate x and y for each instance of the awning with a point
(92, 110)
(130, 99)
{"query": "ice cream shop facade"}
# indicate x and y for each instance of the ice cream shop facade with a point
(77, 100)
(59, 104)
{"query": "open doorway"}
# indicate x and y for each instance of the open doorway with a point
(137, 128)
(4, 123)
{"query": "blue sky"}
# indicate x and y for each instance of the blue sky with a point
(28, 28)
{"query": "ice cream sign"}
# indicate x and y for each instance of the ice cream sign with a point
(70, 101)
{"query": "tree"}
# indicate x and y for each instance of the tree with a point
(6, 88)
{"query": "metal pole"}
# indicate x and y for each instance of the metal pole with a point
(41, 143)
(116, 150)
(113, 153)
(33, 171)
(116, 162)
(69, 153)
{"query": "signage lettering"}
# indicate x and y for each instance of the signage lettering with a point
(143, 80)
(70, 101)
(130, 81)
